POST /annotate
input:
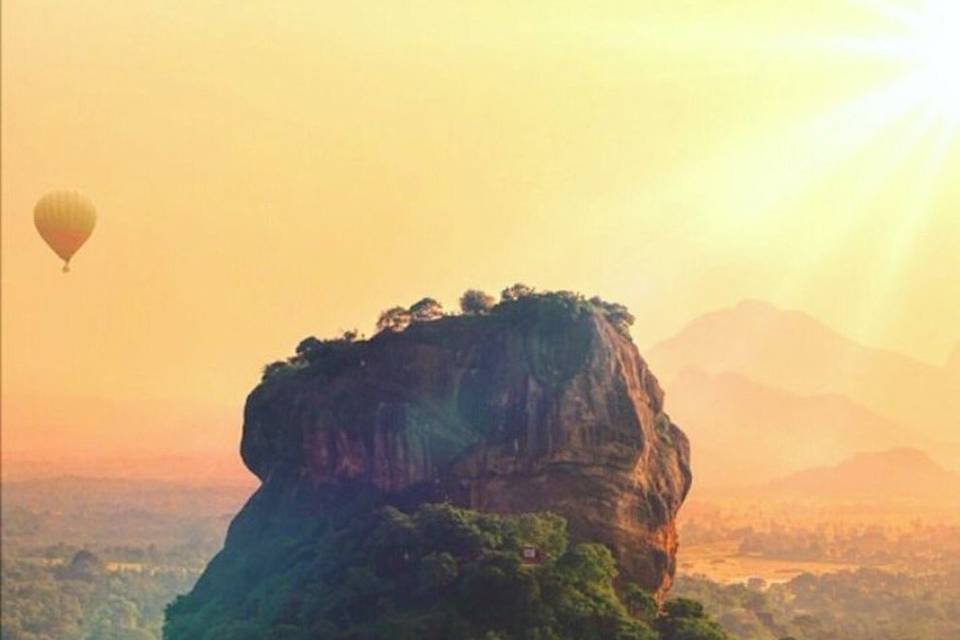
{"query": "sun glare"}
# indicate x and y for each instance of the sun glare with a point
(933, 48)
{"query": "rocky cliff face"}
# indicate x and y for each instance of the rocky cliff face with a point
(544, 404)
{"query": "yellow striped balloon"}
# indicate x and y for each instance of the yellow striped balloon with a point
(65, 219)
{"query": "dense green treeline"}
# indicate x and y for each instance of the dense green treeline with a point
(83, 599)
(437, 573)
(866, 604)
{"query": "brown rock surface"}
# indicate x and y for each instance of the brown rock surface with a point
(542, 405)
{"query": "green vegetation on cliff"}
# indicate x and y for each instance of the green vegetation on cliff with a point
(519, 305)
(440, 573)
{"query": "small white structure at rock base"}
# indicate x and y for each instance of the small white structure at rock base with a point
(530, 554)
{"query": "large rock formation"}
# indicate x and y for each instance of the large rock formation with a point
(543, 404)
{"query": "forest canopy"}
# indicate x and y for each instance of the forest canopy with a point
(439, 572)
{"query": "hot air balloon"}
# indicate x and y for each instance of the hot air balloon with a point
(65, 219)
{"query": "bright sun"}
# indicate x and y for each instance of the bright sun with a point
(933, 50)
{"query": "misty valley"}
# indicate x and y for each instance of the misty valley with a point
(765, 571)
(101, 558)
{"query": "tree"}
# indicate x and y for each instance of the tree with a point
(515, 292)
(476, 302)
(588, 564)
(426, 310)
(436, 571)
(685, 619)
(618, 314)
(274, 368)
(308, 344)
(684, 608)
(85, 565)
(393, 319)
(309, 349)
(640, 602)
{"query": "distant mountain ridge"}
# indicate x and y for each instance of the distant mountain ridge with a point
(794, 352)
(208, 468)
(745, 433)
(903, 473)
(953, 362)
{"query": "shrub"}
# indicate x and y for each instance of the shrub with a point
(393, 319)
(515, 292)
(426, 310)
(617, 314)
(309, 348)
(685, 619)
(640, 603)
(275, 368)
(476, 302)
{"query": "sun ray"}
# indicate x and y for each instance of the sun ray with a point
(896, 13)
(902, 130)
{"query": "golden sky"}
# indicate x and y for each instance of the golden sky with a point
(262, 174)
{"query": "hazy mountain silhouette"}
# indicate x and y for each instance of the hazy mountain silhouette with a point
(953, 362)
(894, 474)
(792, 351)
(208, 468)
(746, 433)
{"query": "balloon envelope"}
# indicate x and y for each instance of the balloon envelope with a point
(64, 219)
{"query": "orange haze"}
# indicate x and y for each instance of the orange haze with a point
(261, 175)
